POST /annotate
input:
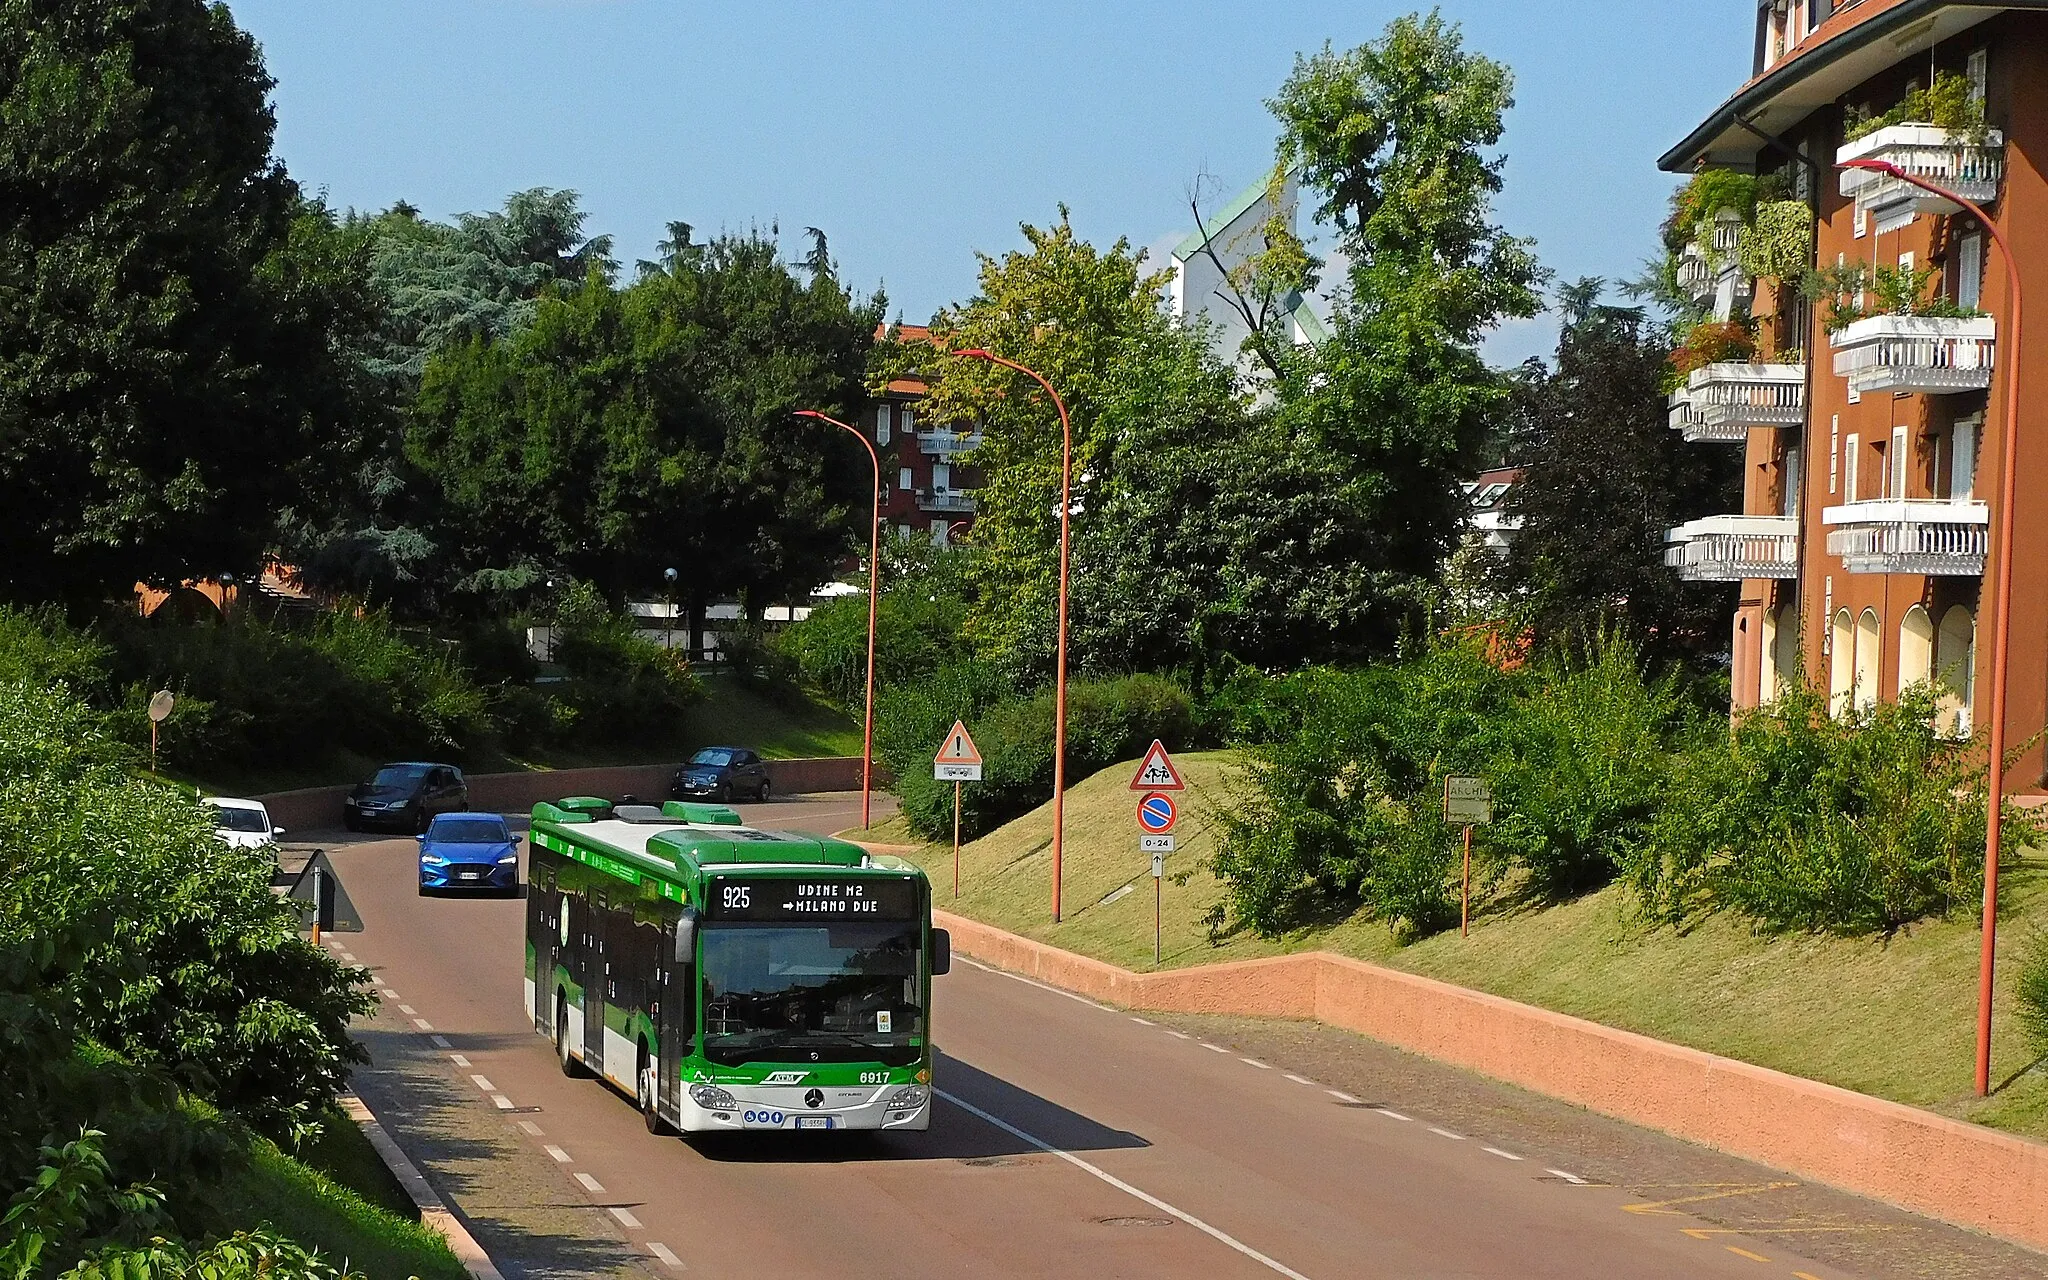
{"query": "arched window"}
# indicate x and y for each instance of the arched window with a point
(1955, 667)
(1916, 649)
(1780, 650)
(1841, 663)
(1869, 649)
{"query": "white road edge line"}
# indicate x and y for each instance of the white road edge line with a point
(530, 1127)
(1142, 1022)
(1446, 1133)
(1214, 1048)
(501, 1102)
(1392, 1114)
(1018, 977)
(666, 1254)
(561, 1156)
(1254, 1062)
(1300, 1079)
(458, 1059)
(423, 1024)
(484, 1083)
(625, 1217)
(407, 1010)
(1572, 1178)
(1342, 1096)
(590, 1183)
(1178, 1035)
(346, 958)
(1496, 1151)
(441, 1042)
(1125, 1187)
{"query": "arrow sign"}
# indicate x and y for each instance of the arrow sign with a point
(958, 760)
(1157, 772)
(1157, 813)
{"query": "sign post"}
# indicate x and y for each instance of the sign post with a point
(1470, 801)
(1158, 897)
(958, 761)
(160, 704)
(1158, 813)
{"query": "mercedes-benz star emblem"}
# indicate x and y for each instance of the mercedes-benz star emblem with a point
(814, 1098)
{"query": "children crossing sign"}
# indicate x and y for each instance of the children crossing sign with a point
(1157, 773)
(958, 760)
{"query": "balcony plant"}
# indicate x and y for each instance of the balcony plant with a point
(1855, 291)
(1712, 342)
(1778, 243)
(1949, 104)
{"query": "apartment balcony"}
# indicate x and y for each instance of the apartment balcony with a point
(1721, 402)
(1931, 355)
(1732, 548)
(1707, 270)
(1970, 169)
(945, 500)
(1913, 535)
(946, 444)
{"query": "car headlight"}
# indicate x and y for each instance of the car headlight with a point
(508, 858)
(909, 1098)
(712, 1098)
(433, 860)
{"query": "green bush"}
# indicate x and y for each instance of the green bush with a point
(916, 633)
(1107, 721)
(2031, 992)
(1802, 820)
(621, 685)
(38, 646)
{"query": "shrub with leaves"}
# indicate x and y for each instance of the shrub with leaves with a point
(1950, 103)
(2031, 992)
(621, 684)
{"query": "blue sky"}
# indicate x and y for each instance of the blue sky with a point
(917, 132)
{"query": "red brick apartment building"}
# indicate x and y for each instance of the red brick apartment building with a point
(1871, 431)
(925, 487)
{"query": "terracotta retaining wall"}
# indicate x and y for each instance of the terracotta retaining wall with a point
(319, 808)
(1947, 1169)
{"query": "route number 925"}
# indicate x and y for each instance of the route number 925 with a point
(736, 897)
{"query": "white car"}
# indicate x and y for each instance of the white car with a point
(243, 824)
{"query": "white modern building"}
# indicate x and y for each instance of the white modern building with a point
(1229, 238)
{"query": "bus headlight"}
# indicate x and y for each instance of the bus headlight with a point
(712, 1098)
(909, 1098)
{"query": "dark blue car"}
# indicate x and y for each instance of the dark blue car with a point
(469, 851)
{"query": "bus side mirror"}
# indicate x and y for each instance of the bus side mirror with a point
(686, 938)
(942, 952)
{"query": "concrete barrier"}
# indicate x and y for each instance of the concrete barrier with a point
(319, 808)
(1947, 1169)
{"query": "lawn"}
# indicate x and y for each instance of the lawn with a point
(1891, 1017)
(343, 1202)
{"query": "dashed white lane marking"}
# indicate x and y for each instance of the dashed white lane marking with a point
(484, 1083)
(1214, 1048)
(530, 1127)
(1300, 1079)
(1178, 1035)
(1018, 977)
(423, 1024)
(1125, 1187)
(346, 958)
(441, 1042)
(1342, 1096)
(625, 1217)
(561, 1156)
(1446, 1133)
(407, 1010)
(1142, 1022)
(1496, 1151)
(1572, 1178)
(501, 1102)
(458, 1059)
(590, 1183)
(666, 1254)
(1392, 1114)
(1254, 1062)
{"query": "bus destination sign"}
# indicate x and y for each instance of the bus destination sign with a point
(765, 898)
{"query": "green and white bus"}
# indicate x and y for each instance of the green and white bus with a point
(730, 978)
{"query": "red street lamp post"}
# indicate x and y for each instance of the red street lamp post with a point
(2001, 627)
(1059, 729)
(867, 749)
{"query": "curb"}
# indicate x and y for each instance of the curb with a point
(1951, 1170)
(434, 1212)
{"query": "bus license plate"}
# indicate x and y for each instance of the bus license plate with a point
(814, 1122)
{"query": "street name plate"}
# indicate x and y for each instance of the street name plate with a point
(1468, 800)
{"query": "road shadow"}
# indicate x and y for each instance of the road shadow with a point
(956, 1134)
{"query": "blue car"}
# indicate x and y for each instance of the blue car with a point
(469, 851)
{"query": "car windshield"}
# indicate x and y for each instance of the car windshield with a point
(469, 831)
(717, 756)
(402, 776)
(813, 993)
(250, 821)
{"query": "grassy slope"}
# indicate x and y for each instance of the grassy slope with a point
(1895, 1018)
(347, 1207)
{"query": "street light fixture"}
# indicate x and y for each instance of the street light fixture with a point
(2001, 626)
(1059, 731)
(867, 763)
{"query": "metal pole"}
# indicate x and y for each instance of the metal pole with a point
(1059, 724)
(318, 893)
(867, 750)
(956, 839)
(2001, 627)
(1158, 897)
(1465, 898)
(152, 744)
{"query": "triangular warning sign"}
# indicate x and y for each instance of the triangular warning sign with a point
(1157, 772)
(959, 748)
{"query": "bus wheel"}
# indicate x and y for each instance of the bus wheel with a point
(570, 1067)
(650, 1104)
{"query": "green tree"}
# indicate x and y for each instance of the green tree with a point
(1591, 437)
(178, 327)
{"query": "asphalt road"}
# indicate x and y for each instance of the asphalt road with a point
(1072, 1140)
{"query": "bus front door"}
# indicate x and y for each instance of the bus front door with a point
(674, 1020)
(596, 984)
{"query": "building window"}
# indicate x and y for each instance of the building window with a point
(1962, 458)
(1789, 479)
(1869, 653)
(909, 419)
(1850, 465)
(905, 530)
(1841, 663)
(882, 423)
(1916, 649)
(1970, 271)
(1862, 225)
(1895, 475)
(1978, 72)
(1955, 668)
(904, 480)
(1835, 454)
(940, 528)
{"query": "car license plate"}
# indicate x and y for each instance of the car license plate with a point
(814, 1122)
(471, 875)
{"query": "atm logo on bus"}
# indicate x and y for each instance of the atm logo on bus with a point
(786, 1077)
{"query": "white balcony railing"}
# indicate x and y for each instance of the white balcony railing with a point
(945, 500)
(1970, 169)
(1728, 399)
(1708, 272)
(1932, 355)
(1696, 277)
(1732, 548)
(1913, 535)
(945, 444)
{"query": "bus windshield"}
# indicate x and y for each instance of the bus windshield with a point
(813, 993)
